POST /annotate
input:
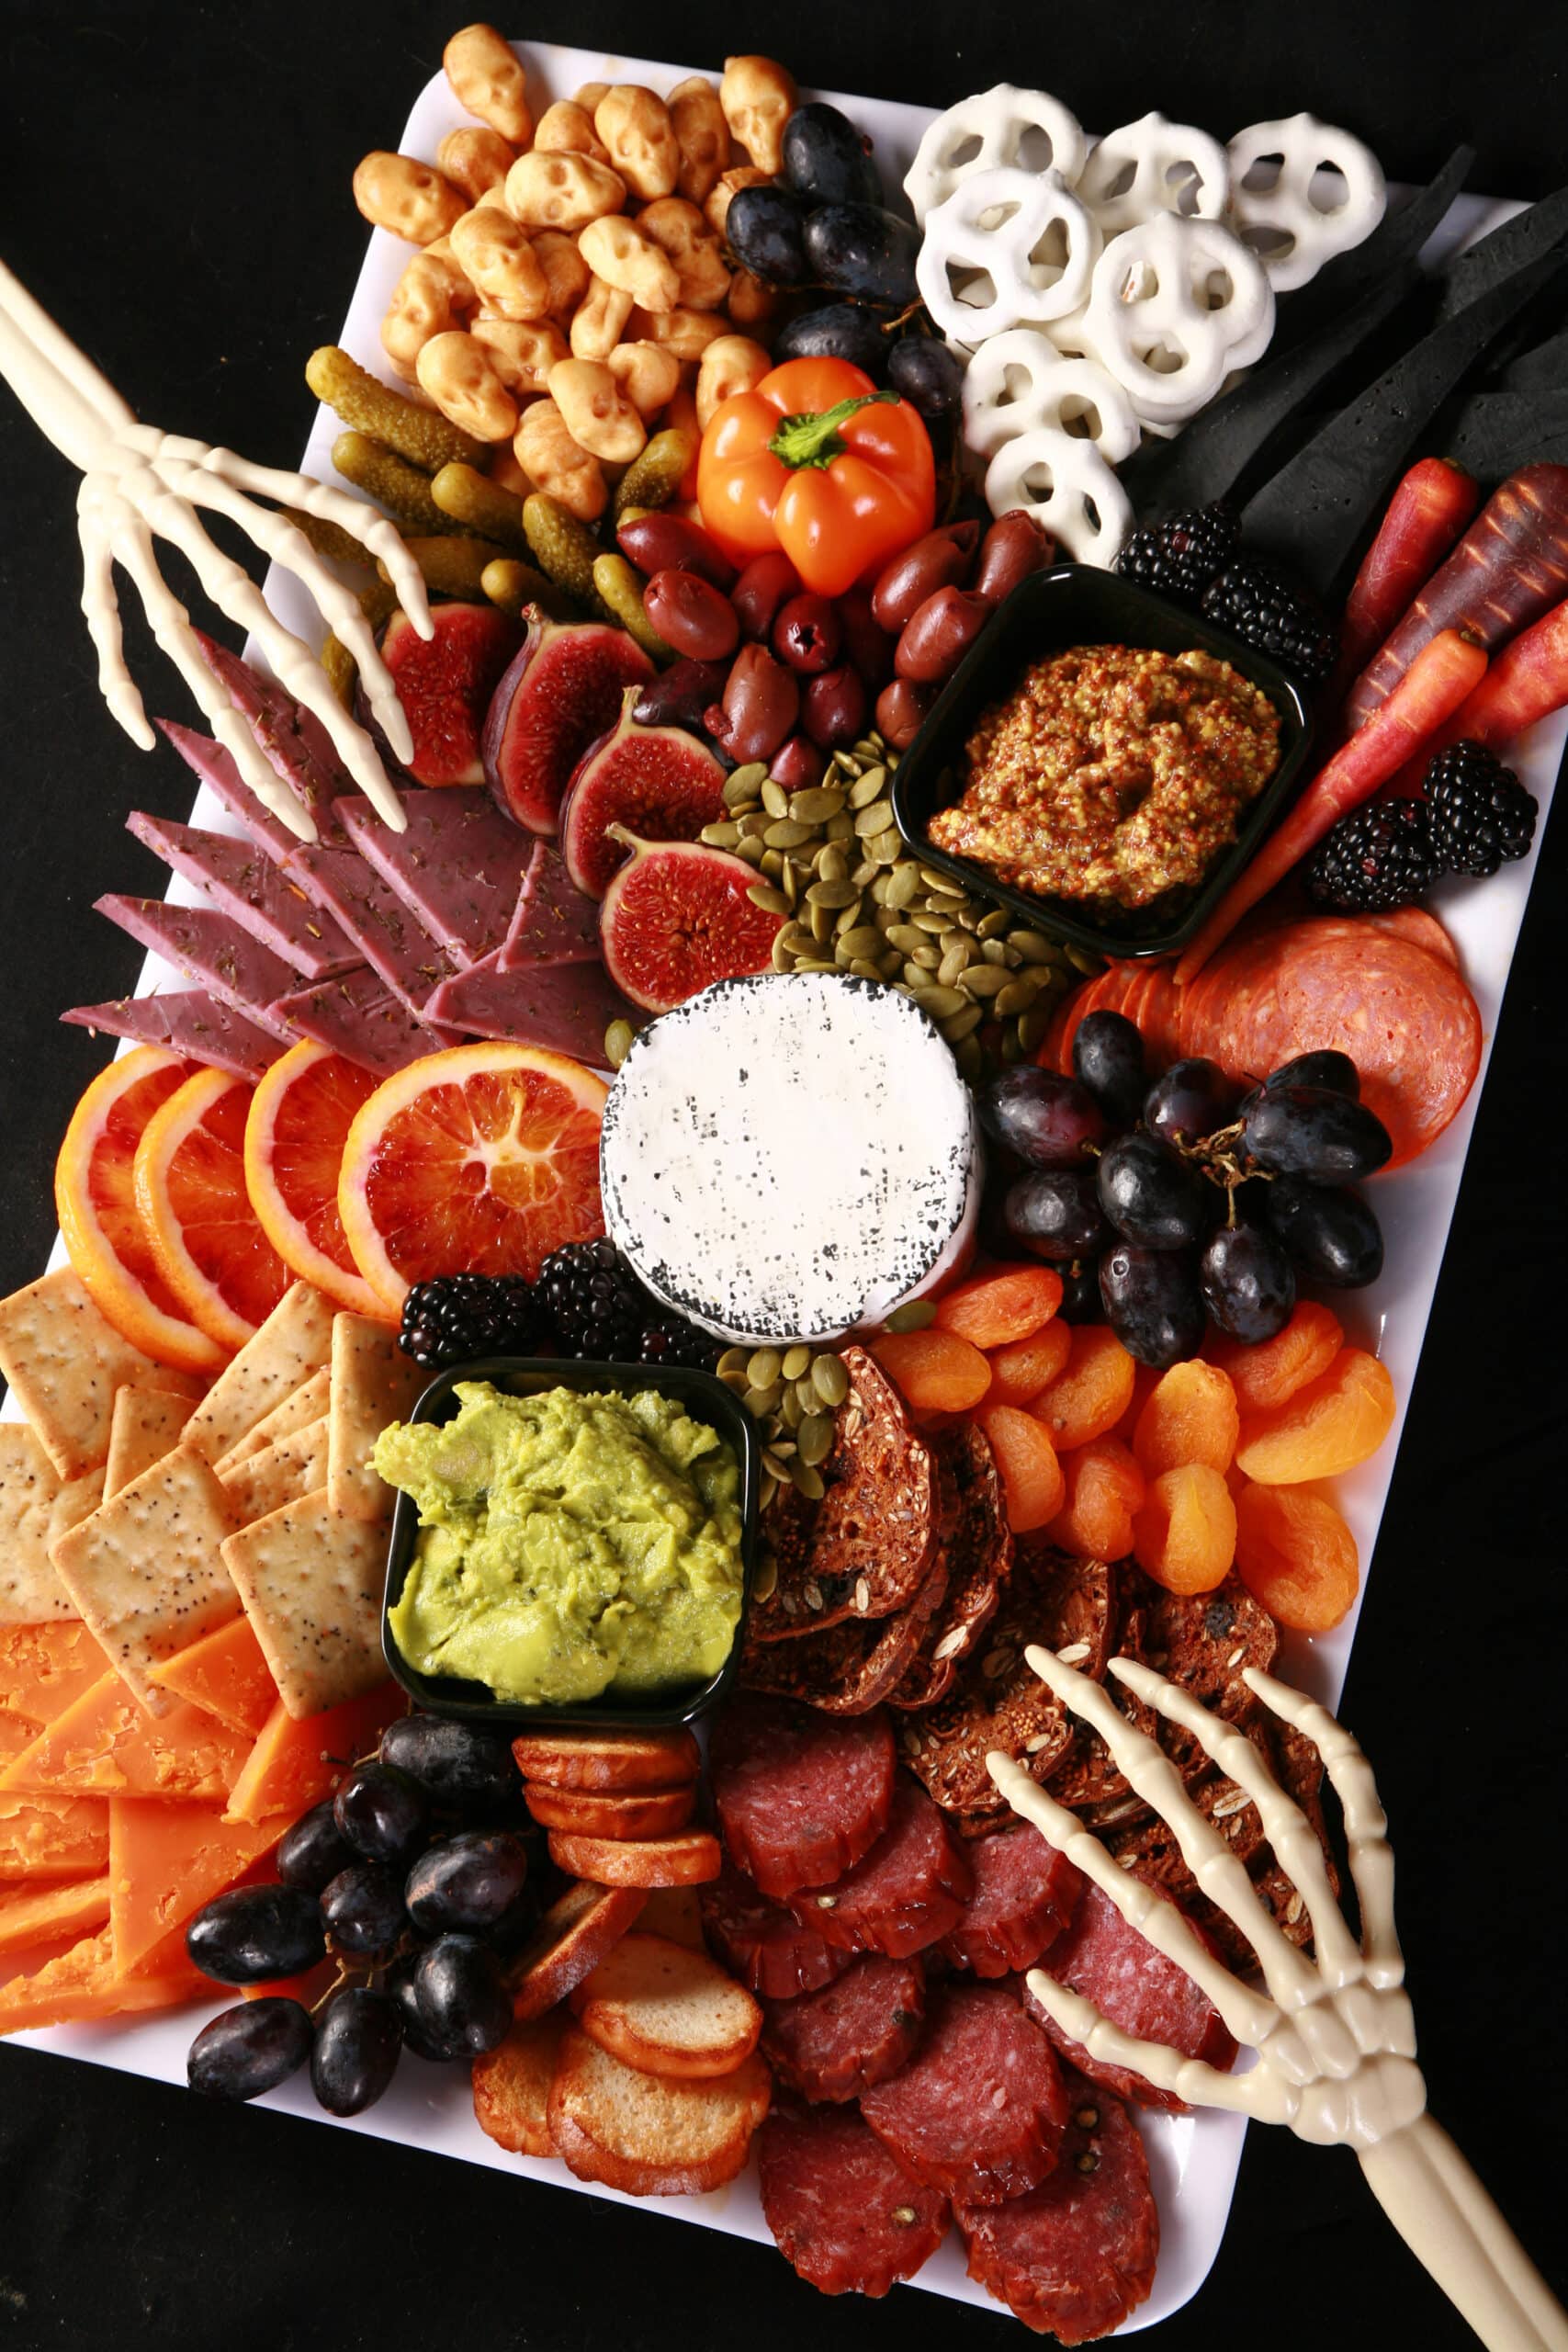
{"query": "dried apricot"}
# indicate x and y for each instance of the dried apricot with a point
(1090, 1397)
(1007, 1304)
(1105, 1488)
(1019, 1371)
(1030, 1470)
(1270, 1373)
(1184, 1536)
(1294, 1551)
(1334, 1422)
(1191, 1416)
(933, 1371)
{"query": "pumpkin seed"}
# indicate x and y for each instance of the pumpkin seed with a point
(806, 1481)
(904, 883)
(867, 787)
(773, 864)
(913, 1316)
(744, 784)
(767, 1494)
(754, 825)
(618, 1042)
(813, 1439)
(961, 1023)
(723, 836)
(820, 919)
(1034, 947)
(736, 1380)
(873, 816)
(815, 964)
(1082, 959)
(772, 901)
(816, 804)
(733, 1360)
(933, 924)
(986, 980)
(789, 882)
(920, 968)
(864, 969)
(906, 935)
(774, 798)
(994, 952)
(771, 1463)
(796, 938)
(868, 747)
(831, 864)
(887, 848)
(790, 1410)
(761, 1402)
(797, 1360)
(1009, 1049)
(942, 1004)
(1032, 1025)
(830, 1379)
(832, 896)
(751, 850)
(786, 834)
(970, 1058)
(951, 969)
(765, 1581)
(1018, 995)
(996, 921)
(861, 939)
(783, 954)
(847, 917)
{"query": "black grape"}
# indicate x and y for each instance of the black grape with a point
(1080, 1292)
(471, 1882)
(462, 1998)
(765, 226)
(382, 1812)
(457, 1765)
(1152, 1303)
(249, 2048)
(1189, 1100)
(1047, 1120)
(1248, 1283)
(859, 249)
(362, 1908)
(358, 2038)
(1055, 1212)
(400, 1987)
(1152, 1197)
(836, 330)
(825, 158)
(1327, 1068)
(926, 374)
(1108, 1055)
(255, 1933)
(314, 1850)
(1330, 1232)
(1308, 1131)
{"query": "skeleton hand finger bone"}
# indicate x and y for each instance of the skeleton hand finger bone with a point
(1003, 126)
(1152, 165)
(1019, 380)
(1023, 236)
(1175, 305)
(1293, 234)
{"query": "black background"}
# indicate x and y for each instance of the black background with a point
(173, 184)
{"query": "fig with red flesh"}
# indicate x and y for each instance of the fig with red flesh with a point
(678, 917)
(657, 782)
(446, 684)
(560, 696)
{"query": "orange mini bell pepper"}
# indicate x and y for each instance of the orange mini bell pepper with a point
(816, 461)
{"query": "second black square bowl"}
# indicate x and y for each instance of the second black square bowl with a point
(1051, 611)
(707, 1399)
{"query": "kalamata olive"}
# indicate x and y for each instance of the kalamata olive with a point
(679, 696)
(942, 559)
(939, 635)
(833, 708)
(762, 703)
(866, 643)
(690, 616)
(796, 764)
(900, 710)
(1015, 546)
(808, 634)
(671, 543)
(767, 583)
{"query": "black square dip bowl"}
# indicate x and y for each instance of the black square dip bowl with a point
(1051, 611)
(700, 1394)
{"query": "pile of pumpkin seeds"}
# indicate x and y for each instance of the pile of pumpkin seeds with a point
(794, 1394)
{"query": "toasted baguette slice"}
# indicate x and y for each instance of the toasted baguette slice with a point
(608, 1760)
(675, 1912)
(666, 2010)
(685, 1860)
(570, 1941)
(511, 2087)
(645, 1813)
(645, 2134)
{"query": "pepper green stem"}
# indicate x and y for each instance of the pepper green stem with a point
(813, 438)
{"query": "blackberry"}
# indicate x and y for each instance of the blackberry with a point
(595, 1302)
(1479, 812)
(1179, 558)
(672, 1340)
(458, 1315)
(1379, 856)
(1266, 608)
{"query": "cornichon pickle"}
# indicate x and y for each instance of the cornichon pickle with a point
(378, 602)
(390, 481)
(562, 547)
(330, 538)
(620, 587)
(511, 585)
(422, 435)
(451, 566)
(479, 505)
(341, 668)
(653, 478)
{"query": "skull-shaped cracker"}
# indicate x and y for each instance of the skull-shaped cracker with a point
(1019, 380)
(1018, 130)
(1177, 306)
(1280, 217)
(1006, 249)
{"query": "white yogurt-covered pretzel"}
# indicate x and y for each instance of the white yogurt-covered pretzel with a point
(1019, 380)
(1023, 235)
(1150, 166)
(1177, 305)
(999, 127)
(1062, 479)
(1292, 235)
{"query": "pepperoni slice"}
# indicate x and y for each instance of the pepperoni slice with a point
(980, 2109)
(801, 1796)
(761, 1943)
(1024, 1894)
(859, 2031)
(907, 1892)
(1074, 2255)
(845, 2213)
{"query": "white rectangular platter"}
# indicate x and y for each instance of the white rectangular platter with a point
(1193, 2158)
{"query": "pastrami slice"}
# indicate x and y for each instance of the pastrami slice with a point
(457, 868)
(562, 691)
(244, 882)
(565, 1008)
(554, 922)
(203, 946)
(189, 1022)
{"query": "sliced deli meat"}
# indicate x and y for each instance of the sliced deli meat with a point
(1024, 1894)
(390, 938)
(553, 921)
(249, 886)
(563, 1007)
(801, 1796)
(906, 1893)
(845, 2211)
(836, 2043)
(763, 1943)
(203, 947)
(189, 1022)
(980, 2109)
(358, 1016)
(207, 760)
(458, 868)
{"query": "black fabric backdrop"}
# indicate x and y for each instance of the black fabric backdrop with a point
(175, 187)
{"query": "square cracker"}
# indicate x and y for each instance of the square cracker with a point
(311, 1585)
(36, 1508)
(146, 1425)
(372, 1382)
(146, 1571)
(295, 1342)
(306, 1404)
(279, 1474)
(64, 1362)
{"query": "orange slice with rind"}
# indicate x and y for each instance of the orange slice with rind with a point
(190, 1189)
(479, 1160)
(295, 1132)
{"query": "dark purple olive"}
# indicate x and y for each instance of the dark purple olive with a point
(938, 635)
(690, 616)
(1015, 546)
(796, 764)
(762, 590)
(761, 706)
(942, 559)
(866, 642)
(834, 708)
(658, 542)
(678, 697)
(900, 708)
(808, 634)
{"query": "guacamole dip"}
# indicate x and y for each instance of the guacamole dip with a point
(570, 1545)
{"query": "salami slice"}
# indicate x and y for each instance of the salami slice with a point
(1137, 1988)
(980, 2108)
(844, 2211)
(770, 1951)
(834, 2043)
(1024, 1895)
(908, 1891)
(1076, 2255)
(980, 1558)
(801, 1796)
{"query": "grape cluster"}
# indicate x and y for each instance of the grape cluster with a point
(1172, 1201)
(415, 1879)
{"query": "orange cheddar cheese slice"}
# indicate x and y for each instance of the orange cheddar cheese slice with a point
(296, 1761)
(29, 1915)
(165, 1861)
(226, 1674)
(52, 1836)
(15, 1732)
(104, 1746)
(45, 1668)
(80, 1983)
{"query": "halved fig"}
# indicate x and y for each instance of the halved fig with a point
(561, 693)
(445, 684)
(678, 917)
(657, 782)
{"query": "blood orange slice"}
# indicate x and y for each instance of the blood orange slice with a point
(95, 1199)
(295, 1132)
(480, 1159)
(190, 1189)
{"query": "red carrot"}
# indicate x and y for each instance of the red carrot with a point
(1426, 515)
(1528, 680)
(1443, 674)
(1510, 566)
